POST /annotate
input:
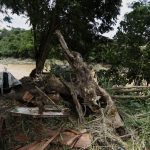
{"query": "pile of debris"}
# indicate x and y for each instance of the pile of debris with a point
(48, 96)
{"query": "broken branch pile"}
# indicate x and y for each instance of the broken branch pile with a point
(81, 92)
(132, 92)
(47, 93)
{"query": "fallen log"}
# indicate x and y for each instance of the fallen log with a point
(75, 100)
(129, 87)
(127, 90)
(86, 86)
(131, 97)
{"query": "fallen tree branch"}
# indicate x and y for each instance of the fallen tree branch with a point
(130, 87)
(75, 99)
(130, 97)
(55, 105)
(127, 90)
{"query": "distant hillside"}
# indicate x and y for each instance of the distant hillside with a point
(16, 43)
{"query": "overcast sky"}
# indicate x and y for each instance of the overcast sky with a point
(124, 9)
(21, 21)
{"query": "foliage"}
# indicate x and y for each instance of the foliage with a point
(133, 40)
(79, 20)
(111, 77)
(101, 52)
(129, 53)
(16, 43)
(61, 71)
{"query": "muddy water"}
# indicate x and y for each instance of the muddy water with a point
(18, 70)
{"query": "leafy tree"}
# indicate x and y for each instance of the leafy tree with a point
(16, 43)
(79, 20)
(133, 38)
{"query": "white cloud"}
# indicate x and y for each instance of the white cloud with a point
(124, 9)
(17, 21)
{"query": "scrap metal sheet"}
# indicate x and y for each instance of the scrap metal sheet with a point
(34, 111)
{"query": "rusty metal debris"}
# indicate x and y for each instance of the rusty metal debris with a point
(27, 96)
(34, 111)
(71, 138)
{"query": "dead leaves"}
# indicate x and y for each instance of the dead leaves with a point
(68, 137)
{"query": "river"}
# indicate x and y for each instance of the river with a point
(18, 68)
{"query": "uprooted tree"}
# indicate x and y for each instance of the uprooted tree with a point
(86, 88)
(79, 20)
(82, 91)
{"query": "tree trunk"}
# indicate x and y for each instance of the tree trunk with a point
(40, 61)
(44, 47)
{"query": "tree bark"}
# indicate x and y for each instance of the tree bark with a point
(87, 88)
(45, 45)
(42, 53)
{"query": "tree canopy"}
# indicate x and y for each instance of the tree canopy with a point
(81, 21)
(135, 28)
(132, 43)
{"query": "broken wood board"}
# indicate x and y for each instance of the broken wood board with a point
(34, 111)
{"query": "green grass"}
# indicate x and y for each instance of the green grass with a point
(136, 115)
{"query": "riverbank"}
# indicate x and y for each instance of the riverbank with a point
(6, 61)
(17, 67)
(22, 67)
